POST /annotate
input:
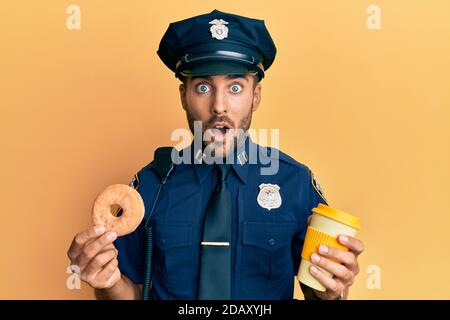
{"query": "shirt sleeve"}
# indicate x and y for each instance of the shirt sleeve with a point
(311, 195)
(131, 255)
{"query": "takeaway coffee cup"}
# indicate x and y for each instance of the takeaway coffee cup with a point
(326, 224)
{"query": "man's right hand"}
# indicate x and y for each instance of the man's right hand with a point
(93, 252)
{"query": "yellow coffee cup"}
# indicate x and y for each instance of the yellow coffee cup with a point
(326, 224)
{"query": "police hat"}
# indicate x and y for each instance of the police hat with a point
(217, 43)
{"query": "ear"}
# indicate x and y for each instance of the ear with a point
(182, 90)
(256, 97)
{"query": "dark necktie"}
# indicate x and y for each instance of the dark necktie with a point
(215, 268)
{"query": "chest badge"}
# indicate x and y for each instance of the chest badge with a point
(269, 196)
(219, 30)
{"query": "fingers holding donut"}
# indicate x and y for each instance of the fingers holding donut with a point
(83, 238)
(92, 250)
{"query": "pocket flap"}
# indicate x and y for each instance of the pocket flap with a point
(268, 235)
(172, 236)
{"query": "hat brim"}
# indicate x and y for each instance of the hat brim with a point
(213, 68)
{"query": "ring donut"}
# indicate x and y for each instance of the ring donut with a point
(128, 199)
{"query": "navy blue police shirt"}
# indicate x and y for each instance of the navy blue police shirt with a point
(266, 244)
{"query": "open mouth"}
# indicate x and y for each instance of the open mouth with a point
(218, 131)
(222, 129)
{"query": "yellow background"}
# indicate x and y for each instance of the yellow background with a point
(366, 110)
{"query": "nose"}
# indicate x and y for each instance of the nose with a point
(219, 103)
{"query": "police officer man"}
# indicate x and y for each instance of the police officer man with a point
(221, 229)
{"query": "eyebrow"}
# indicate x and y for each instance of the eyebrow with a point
(229, 77)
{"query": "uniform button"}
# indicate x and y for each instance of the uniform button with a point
(272, 242)
(162, 241)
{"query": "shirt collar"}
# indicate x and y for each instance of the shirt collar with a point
(240, 163)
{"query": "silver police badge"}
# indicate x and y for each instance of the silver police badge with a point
(269, 196)
(219, 30)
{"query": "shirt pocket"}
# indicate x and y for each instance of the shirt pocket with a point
(174, 254)
(266, 254)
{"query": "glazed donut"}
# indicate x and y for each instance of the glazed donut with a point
(128, 199)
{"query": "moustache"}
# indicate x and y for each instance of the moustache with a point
(220, 119)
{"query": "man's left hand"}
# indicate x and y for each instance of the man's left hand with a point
(343, 265)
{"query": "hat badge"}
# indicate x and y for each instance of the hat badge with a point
(269, 196)
(219, 30)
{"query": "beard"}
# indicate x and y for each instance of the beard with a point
(237, 139)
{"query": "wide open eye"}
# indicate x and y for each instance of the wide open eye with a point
(202, 88)
(236, 88)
